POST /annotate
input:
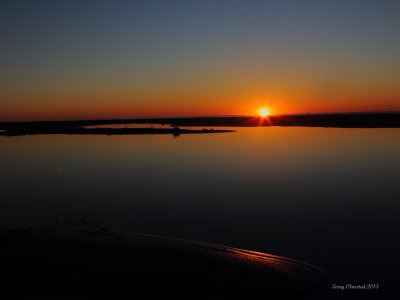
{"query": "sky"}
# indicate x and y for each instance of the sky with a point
(119, 58)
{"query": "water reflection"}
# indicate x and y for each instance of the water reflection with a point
(297, 192)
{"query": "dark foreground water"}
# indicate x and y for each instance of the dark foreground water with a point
(327, 196)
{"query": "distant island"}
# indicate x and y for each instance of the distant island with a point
(341, 120)
(56, 128)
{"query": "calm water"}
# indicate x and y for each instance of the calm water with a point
(327, 196)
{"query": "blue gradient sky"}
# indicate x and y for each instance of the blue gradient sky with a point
(68, 59)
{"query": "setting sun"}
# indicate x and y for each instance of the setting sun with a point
(263, 112)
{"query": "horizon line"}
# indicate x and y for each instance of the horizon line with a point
(201, 116)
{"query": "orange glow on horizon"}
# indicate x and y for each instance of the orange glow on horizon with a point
(95, 108)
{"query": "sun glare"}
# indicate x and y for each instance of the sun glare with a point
(263, 112)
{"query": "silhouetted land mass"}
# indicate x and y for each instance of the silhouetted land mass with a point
(83, 261)
(344, 120)
(55, 128)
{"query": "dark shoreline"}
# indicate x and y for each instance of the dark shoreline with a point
(349, 120)
(50, 129)
(344, 120)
